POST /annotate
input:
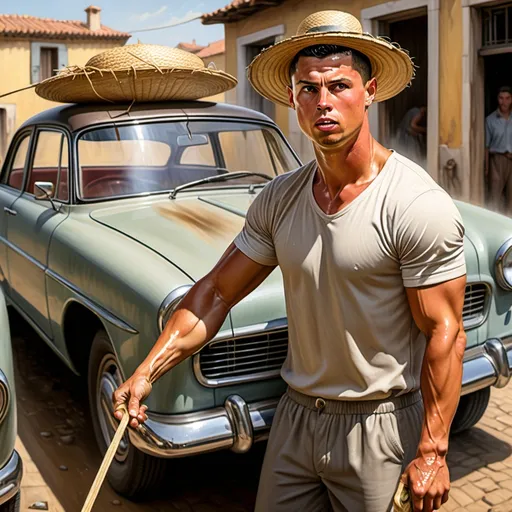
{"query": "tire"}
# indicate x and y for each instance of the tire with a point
(13, 505)
(470, 410)
(132, 473)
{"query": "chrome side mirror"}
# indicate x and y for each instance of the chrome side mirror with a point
(44, 190)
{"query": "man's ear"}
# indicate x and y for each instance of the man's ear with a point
(371, 91)
(290, 97)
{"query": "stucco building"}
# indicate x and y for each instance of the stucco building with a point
(32, 49)
(462, 49)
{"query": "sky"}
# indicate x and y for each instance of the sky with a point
(130, 15)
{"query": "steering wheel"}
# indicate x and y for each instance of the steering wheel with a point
(117, 185)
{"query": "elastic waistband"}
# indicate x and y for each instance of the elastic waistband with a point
(354, 406)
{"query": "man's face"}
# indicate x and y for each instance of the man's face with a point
(330, 99)
(504, 101)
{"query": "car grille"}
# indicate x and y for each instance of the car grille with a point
(475, 304)
(242, 359)
(261, 356)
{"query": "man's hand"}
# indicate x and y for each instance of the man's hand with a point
(196, 321)
(428, 480)
(131, 393)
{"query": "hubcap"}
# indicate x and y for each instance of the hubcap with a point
(109, 379)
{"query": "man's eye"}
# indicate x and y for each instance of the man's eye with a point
(309, 88)
(340, 87)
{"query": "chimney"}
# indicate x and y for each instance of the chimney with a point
(93, 18)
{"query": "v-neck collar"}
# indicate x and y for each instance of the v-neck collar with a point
(353, 203)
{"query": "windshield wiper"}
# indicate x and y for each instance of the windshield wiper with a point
(218, 178)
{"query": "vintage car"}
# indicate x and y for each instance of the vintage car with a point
(111, 213)
(11, 468)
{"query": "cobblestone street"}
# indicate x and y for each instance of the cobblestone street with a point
(59, 469)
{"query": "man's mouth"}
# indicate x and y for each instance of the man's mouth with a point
(326, 124)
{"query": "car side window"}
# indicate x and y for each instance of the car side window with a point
(50, 163)
(14, 175)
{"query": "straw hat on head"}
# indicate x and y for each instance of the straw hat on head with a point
(269, 72)
(138, 72)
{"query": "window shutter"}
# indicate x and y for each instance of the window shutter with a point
(63, 56)
(35, 62)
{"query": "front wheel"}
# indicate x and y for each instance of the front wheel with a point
(470, 410)
(13, 505)
(132, 473)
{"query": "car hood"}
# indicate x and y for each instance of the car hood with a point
(192, 233)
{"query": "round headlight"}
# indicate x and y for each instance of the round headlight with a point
(504, 265)
(170, 303)
(4, 397)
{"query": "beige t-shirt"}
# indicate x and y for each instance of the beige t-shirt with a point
(351, 331)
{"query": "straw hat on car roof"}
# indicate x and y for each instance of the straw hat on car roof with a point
(138, 72)
(269, 72)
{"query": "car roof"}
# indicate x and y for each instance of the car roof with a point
(78, 116)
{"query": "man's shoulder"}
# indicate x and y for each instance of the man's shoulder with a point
(409, 181)
(492, 116)
(291, 179)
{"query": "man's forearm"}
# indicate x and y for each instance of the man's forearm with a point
(197, 320)
(441, 379)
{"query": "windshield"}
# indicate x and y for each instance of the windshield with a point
(156, 157)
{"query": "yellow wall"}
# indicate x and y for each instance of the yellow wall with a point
(450, 73)
(220, 64)
(15, 66)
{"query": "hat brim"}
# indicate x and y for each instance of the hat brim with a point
(146, 85)
(269, 72)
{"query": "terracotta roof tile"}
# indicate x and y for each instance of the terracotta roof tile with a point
(190, 47)
(237, 10)
(215, 48)
(16, 25)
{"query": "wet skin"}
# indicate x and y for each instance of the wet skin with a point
(331, 102)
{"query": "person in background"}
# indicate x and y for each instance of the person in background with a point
(411, 135)
(498, 153)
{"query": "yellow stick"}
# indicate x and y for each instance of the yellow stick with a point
(107, 460)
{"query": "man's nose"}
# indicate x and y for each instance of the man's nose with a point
(324, 101)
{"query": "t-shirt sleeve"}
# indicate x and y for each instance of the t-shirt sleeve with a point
(256, 240)
(430, 240)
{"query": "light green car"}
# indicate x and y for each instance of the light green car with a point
(11, 468)
(111, 214)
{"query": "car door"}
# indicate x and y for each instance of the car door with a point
(11, 185)
(30, 229)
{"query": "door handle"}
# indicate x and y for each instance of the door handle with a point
(9, 211)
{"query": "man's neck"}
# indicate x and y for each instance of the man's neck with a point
(357, 161)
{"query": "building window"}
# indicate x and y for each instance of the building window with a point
(49, 60)
(497, 26)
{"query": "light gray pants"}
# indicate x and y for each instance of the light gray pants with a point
(344, 456)
(500, 176)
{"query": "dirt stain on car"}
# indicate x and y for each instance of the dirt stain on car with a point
(207, 221)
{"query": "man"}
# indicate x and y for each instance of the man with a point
(498, 153)
(371, 252)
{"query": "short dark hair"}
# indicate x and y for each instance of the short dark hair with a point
(505, 88)
(360, 62)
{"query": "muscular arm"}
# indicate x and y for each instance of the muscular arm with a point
(195, 322)
(437, 311)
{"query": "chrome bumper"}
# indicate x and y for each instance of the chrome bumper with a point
(238, 425)
(235, 426)
(487, 365)
(10, 478)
